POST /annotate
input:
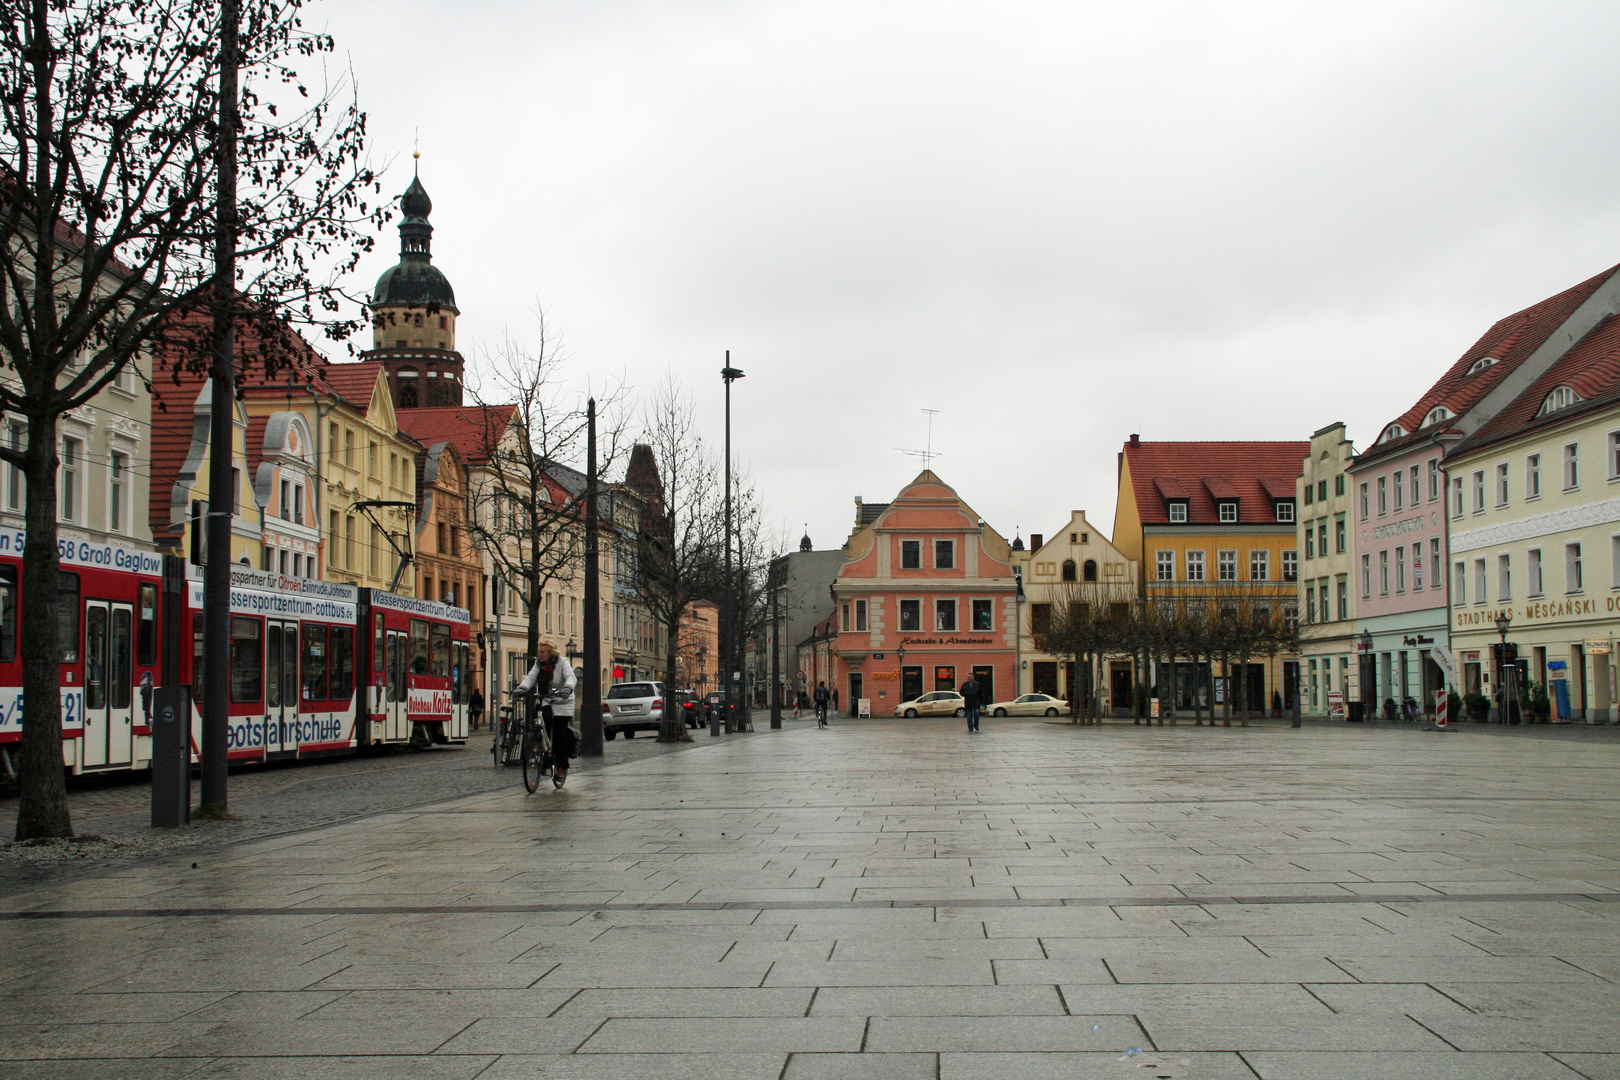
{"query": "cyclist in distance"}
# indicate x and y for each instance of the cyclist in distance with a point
(551, 680)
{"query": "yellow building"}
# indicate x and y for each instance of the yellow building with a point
(1214, 522)
(179, 481)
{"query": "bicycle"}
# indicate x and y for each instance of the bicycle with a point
(507, 734)
(536, 745)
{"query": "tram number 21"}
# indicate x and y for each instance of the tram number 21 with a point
(11, 709)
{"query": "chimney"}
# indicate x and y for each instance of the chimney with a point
(1035, 540)
(1136, 440)
(857, 511)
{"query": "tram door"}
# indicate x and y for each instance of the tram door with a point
(109, 673)
(280, 684)
(399, 720)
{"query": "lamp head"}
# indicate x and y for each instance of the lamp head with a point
(729, 373)
(1502, 622)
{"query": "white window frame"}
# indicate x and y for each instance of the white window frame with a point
(900, 615)
(1195, 565)
(903, 544)
(1400, 569)
(1460, 585)
(1259, 564)
(1383, 496)
(1481, 592)
(1572, 466)
(1574, 570)
(1614, 456)
(1456, 496)
(1227, 509)
(118, 488)
(1397, 486)
(1501, 484)
(1285, 510)
(1226, 564)
(1504, 578)
(942, 604)
(1434, 479)
(1383, 572)
(1366, 576)
(1417, 566)
(67, 471)
(1177, 511)
(1532, 477)
(1479, 491)
(16, 482)
(1534, 575)
(1364, 501)
(1164, 565)
(949, 548)
(1290, 565)
(989, 607)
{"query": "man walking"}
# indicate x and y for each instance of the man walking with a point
(822, 697)
(970, 702)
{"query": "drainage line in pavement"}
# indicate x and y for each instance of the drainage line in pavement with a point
(816, 905)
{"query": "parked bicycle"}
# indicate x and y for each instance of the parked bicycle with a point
(504, 747)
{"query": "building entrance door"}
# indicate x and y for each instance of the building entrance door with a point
(857, 683)
(1119, 686)
(910, 683)
(985, 676)
(1045, 680)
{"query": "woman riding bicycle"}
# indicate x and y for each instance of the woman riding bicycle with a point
(551, 680)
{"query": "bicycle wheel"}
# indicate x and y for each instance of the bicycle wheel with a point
(531, 760)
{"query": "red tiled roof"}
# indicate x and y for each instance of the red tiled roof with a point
(473, 429)
(255, 443)
(1220, 488)
(1278, 487)
(1507, 343)
(1172, 489)
(1591, 369)
(1234, 466)
(354, 382)
(171, 442)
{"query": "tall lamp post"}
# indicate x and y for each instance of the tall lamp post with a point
(1364, 645)
(900, 688)
(729, 375)
(1505, 673)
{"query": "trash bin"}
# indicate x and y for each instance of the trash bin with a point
(1355, 712)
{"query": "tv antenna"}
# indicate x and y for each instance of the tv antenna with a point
(927, 455)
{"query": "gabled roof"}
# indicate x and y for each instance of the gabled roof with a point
(1591, 369)
(1278, 487)
(1502, 349)
(1239, 470)
(355, 382)
(473, 429)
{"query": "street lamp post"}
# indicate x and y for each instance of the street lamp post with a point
(1364, 644)
(1504, 673)
(900, 662)
(728, 375)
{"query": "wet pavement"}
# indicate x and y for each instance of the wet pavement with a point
(885, 898)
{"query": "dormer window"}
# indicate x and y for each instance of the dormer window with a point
(1437, 415)
(1481, 364)
(1394, 431)
(1562, 397)
(1285, 510)
(1178, 512)
(1228, 510)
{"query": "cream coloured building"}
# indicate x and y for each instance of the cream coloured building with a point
(1534, 512)
(1327, 597)
(1078, 559)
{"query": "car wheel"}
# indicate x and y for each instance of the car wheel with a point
(911, 712)
(629, 732)
(1051, 712)
(959, 712)
(610, 733)
(999, 712)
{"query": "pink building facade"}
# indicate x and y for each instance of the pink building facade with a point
(926, 597)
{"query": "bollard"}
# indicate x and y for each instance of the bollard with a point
(171, 756)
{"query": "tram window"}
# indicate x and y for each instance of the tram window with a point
(95, 658)
(441, 651)
(197, 665)
(146, 628)
(247, 665)
(8, 614)
(122, 672)
(419, 657)
(289, 665)
(378, 636)
(314, 663)
(341, 663)
(67, 616)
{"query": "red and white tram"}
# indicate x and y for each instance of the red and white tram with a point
(303, 681)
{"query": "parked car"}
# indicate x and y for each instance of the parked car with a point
(631, 707)
(1029, 705)
(937, 703)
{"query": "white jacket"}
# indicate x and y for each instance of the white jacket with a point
(562, 676)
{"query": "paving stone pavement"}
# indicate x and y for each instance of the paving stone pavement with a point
(883, 899)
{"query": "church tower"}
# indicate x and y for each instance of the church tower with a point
(413, 315)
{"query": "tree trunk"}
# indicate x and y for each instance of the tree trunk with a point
(42, 809)
(672, 726)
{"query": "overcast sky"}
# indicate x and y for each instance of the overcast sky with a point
(1056, 223)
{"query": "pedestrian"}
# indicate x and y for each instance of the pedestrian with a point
(822, 698)
(970, 702)
(835, 699)
(475, 707)
(551, 680)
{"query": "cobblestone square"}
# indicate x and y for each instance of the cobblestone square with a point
(883, 898)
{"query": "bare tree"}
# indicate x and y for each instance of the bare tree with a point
(528, 513)
(678, 560)
(108, 127)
